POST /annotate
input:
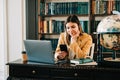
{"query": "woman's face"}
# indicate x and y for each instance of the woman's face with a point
(72, 29)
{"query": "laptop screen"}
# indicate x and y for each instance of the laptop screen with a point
(39, 51)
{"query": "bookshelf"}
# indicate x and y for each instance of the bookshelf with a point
(53, 13)
(101, 9)
(45, 18)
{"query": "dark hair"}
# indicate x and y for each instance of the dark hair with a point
(74, 19)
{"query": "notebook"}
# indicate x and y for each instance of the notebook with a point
(39, 51)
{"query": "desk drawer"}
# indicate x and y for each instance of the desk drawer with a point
(72, 73)
(29, 71)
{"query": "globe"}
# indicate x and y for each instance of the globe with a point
(109, 30)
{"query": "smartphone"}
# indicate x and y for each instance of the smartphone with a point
(63, 47)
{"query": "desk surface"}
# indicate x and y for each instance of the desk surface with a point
(36, 71)
(26, 63)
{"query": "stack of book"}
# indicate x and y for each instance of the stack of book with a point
(86, 61)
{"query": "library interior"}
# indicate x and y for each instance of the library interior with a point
(46, 21)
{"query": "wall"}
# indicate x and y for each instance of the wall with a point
(1, 35)
(14, 27)
(12, 30)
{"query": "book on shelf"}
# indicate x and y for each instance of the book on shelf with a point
(93, 7)
(56, 26)
(103, 6)
(117, 5)
(84, 25)
(42, 7)
(55, 8)
(94, 28)
(40, 25)
(51, 26)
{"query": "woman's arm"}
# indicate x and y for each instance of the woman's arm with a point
(82, 47)
(58, 53)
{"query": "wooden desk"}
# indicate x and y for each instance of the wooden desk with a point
(19, 70)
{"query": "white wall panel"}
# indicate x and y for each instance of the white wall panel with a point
(12, 31)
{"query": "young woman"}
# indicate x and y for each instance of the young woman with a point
(78, 43)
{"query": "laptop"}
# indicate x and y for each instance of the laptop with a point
(39, 51)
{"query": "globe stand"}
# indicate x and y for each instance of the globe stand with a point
(113, 58)
(108, 31)
(112, 61)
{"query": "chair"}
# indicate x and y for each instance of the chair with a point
(90, 55)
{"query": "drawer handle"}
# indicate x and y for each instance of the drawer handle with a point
(33, 71)
(75, 74)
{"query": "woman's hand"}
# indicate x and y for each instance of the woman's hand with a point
(62, 55)
(74, 36)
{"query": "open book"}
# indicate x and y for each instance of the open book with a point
(86, 61)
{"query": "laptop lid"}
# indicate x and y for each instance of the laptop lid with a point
(39, 51)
